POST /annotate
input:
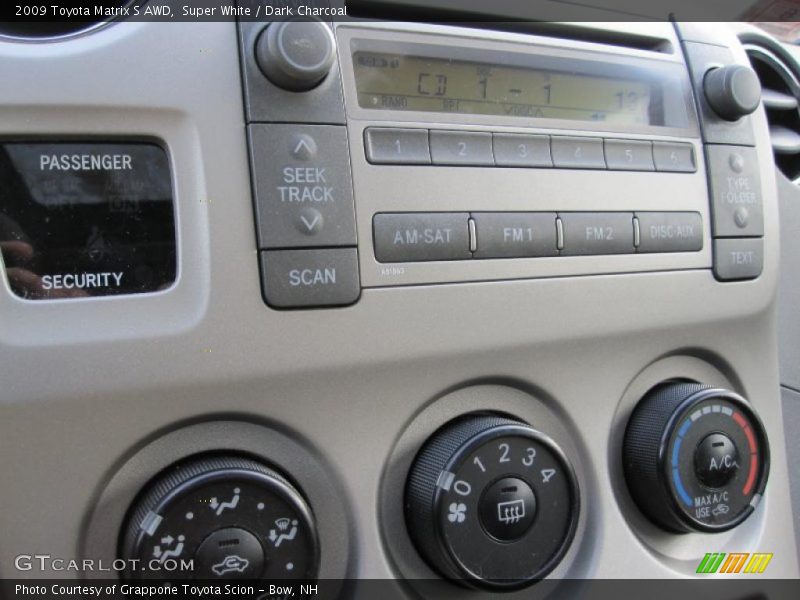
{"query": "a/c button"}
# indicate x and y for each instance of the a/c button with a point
(306, 278)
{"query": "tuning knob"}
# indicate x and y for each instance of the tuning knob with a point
(491, 502)
(296, 55)
(696, 458)
(229, 517)
(732, 91)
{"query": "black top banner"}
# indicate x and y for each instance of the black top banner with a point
(82, 11)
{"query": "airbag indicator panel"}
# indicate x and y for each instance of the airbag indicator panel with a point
(86, 219)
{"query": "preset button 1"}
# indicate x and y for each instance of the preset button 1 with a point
(303, 187)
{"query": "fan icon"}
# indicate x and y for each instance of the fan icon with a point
(458, 512)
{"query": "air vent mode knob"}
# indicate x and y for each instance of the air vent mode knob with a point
(733, 91)
(491, 502)
(230, 517)
(297, 54)
(696, 458)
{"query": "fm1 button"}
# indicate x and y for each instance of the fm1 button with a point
(309, 278)
(230, 553)
(716, 460)
(507, 509)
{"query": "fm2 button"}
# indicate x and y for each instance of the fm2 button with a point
(303, 187)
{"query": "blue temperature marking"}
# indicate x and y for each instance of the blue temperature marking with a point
(675, 449)
(687, 500)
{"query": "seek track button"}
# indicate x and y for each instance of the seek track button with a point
(302, 184)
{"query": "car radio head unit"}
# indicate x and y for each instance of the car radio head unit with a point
(464, 155)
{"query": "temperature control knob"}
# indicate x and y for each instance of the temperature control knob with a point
(230, 517)
(696, 458)
(491, 502)
(733, 91)
(297, 54)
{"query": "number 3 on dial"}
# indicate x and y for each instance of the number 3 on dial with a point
(530, 455)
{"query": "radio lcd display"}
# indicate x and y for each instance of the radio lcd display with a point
(400, 82)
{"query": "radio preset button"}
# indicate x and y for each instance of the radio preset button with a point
(402, 237)
(589, 233)
(677, 157)
(577, 152)
(520, 150)
(629, 155)
(670, 232)
(306, 278)
(396, 146)
(736, 203)
(515, 235)
(303, 187)
(461, 148)
(738, 258)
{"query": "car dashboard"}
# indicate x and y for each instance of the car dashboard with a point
(471, 308)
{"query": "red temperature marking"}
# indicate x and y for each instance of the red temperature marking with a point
(751, 477)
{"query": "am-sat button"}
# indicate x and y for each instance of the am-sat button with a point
(401, 237)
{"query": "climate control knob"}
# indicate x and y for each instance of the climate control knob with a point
(696, 458)
(491, 502)
(229, 517)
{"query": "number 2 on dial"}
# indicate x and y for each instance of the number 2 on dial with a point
(504, 451)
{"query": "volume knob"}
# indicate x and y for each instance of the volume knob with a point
(296, 55)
